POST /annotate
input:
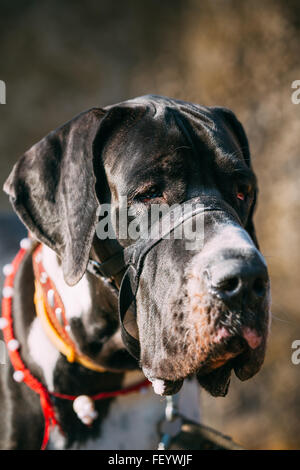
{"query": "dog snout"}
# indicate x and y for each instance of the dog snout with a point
(237, 279)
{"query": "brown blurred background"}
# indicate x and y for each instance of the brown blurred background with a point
(61, 57)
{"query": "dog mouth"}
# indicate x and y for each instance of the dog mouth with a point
(228, 346)
(241, 351)
(244, 354)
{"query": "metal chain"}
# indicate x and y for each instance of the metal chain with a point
(171, 425)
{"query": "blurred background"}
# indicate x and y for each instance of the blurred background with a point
(61, 57)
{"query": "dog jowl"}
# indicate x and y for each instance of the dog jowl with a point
(202, 312)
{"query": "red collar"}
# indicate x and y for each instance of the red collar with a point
(22, 374)
(51, 312)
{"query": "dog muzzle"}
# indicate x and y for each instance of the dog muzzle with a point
(133, 256)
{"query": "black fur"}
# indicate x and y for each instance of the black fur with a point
(176, 151)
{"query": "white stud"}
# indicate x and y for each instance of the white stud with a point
(50, 297)
(88, 420)
(18, 376)
(8, 269)
(58, 313)
(3, 323)
(43, 277)
(26, 243)
(13, 344)
(7, 292)
(68, 328)
(38, 257)
(84, 407)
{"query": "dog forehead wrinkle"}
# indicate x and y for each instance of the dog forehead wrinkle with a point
(149, 135)
(76, 299)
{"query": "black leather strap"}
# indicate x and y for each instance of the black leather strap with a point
(133, 257)
(109, 268)
(135, 254)
(126, 298)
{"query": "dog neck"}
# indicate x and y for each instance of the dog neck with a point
(91, 312)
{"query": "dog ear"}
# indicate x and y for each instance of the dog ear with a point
(52, 189)
(231, 122)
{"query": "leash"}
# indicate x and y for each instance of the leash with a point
(171, 426)
(180, 433)
(83, 404)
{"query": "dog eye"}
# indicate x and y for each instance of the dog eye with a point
(240, 196)
(148, 196)
(242, 192)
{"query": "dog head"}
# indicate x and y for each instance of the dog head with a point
(201, 311)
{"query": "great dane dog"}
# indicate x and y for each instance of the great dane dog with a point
(199, 313)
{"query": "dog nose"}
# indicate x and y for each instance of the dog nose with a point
(234, 279)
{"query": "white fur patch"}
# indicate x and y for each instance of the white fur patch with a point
(76, 299)
(42, 351)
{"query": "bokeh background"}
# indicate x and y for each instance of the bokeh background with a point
(61, 57)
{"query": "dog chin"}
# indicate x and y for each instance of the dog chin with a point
(242, 353)
(243, 356)
(213, 370)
